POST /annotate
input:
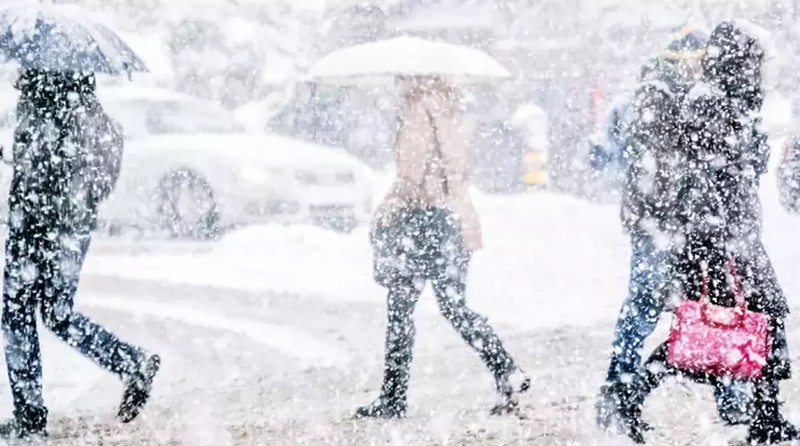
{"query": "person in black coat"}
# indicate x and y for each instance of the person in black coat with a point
(717, 217)
(67, 154)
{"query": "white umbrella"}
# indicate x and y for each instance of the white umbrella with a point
(406, 56)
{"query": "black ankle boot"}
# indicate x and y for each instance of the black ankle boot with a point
(768, 426)
(138, 387)
(772, 431)
(619, 409)
(509, 387)
(383, 407)
(28, 422)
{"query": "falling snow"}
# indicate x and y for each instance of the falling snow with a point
(405, 222)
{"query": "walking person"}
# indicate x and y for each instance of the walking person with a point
(716, 200)
(67, 154)
(426, 229)
(652, 137)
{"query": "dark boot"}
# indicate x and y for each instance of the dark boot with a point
(619, 409)
(509, 387)
(400, 333)
(392, 402)
(138, 387)
(768, 425)
(29, 422)
(383, 407)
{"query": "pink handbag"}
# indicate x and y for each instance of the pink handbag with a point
(720, 341)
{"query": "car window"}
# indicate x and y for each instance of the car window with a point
(145, 117)
(178, 117)
(141, 117)
(130, 115)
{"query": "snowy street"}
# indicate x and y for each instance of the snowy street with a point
(274, 335)
(199, 200)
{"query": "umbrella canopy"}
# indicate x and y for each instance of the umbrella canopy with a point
(406, 56)
(61, 38)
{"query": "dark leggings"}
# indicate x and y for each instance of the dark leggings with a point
(449, 286)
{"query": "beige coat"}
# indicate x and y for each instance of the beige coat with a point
(415, 148)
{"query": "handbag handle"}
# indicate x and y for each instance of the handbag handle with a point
(738, 290)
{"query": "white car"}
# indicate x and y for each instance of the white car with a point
(190, 169)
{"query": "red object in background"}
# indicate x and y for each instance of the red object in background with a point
(721, 341)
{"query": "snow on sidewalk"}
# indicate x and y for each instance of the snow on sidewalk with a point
(307, 350)
(549, 260)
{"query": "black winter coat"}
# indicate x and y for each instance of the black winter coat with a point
(718, 209)
(647, 197)
(67, 154)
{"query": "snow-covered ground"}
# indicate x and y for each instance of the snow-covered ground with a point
(549, 260)
(275, 334)
(540, 263)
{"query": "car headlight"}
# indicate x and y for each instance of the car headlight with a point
(255, 175)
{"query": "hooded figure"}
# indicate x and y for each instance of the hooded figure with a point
(716, 217)
(652, 147)
(67, 155)
(426, 229)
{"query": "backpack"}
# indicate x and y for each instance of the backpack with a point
(103, 151)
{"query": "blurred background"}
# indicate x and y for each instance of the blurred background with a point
(270, 330)
(570, 58)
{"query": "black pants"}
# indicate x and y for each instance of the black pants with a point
(41, 272)
(449, 283)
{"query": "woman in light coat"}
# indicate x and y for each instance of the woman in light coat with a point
(426, 229)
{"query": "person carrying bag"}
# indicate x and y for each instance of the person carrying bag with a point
(426, 230)
(406, 245)
(732, 322)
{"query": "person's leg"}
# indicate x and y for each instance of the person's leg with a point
(629, 395)
(449, 285)
(767, 424)
(23, 357)
(637, 320)
(734, 401)
(136, 367)
(641, 310)
(400, 332)
(81, 333)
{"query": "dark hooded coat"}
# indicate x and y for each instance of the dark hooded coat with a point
(67, 152)
(718, 212)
